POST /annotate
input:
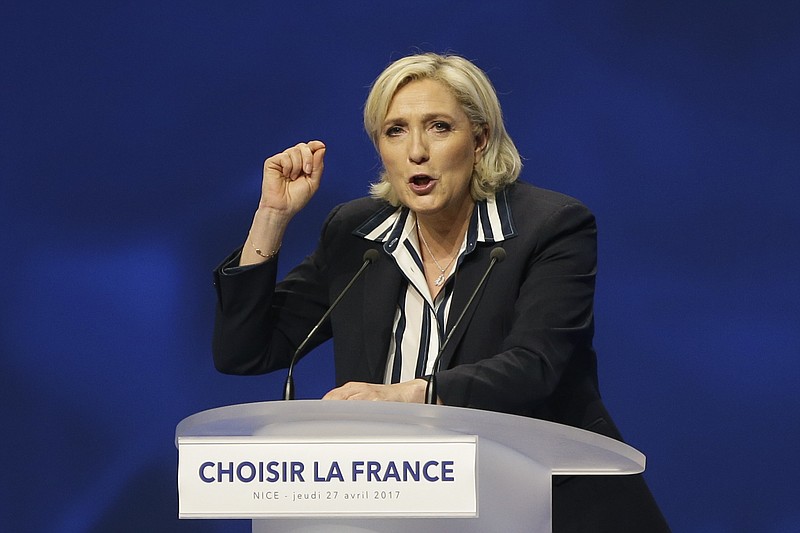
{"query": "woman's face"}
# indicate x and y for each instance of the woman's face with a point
(429, 149)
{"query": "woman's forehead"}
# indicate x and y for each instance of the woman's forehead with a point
(423, 97)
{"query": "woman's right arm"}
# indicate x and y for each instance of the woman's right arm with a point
(289, 181)
(244, 342)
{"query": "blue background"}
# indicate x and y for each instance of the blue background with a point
(133, 135)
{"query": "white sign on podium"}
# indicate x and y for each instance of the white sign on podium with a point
(247, 477)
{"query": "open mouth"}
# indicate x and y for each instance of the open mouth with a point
(420, 180)
(421, 184)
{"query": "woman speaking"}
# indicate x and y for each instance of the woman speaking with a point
(448, 195)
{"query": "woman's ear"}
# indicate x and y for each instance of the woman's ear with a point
(481, 140)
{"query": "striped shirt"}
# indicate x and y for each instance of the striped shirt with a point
(419, 321)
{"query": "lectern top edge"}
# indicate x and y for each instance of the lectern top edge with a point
(564, 449)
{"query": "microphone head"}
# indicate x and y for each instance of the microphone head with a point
(498, 254)
(371, 255)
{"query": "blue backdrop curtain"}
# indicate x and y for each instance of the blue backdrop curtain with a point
(132, 139)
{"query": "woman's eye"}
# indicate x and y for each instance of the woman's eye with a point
(441, 126)
(394, 131)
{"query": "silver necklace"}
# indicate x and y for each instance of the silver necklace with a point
(439, 280)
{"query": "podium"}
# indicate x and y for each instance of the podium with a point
(515, 458)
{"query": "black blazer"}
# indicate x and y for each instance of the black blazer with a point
(524, 346)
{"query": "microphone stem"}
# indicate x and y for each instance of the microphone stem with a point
(430, 388)
(288, 389)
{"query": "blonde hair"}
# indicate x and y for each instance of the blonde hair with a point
(500, 163)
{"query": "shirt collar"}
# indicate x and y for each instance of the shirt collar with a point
(491, 222)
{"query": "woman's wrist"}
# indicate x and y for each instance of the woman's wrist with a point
(265, 236)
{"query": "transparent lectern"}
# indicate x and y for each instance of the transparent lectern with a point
(514, 460)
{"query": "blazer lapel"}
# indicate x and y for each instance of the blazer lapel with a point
(382, 283)
(468, 276)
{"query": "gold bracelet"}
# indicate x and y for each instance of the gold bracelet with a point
(260, 252)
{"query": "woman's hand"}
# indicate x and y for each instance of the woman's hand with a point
(292, 177)
(289, 181)
(408, 391)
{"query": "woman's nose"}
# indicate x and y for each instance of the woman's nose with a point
(418, 147)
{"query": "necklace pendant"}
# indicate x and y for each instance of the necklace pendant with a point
(439, 280)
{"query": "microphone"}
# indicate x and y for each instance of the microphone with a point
(370, 256)
(497, 255)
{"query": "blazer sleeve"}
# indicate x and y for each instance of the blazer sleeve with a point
(258, 322)
(546, 346)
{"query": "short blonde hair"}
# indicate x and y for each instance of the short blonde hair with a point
(500, 163)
